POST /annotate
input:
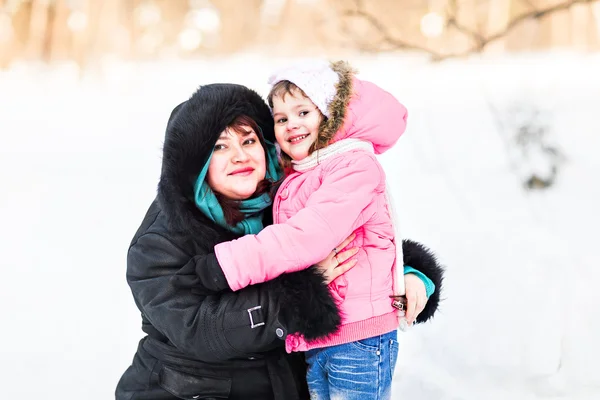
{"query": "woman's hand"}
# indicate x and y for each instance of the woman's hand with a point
(339, 262)
(416, 297)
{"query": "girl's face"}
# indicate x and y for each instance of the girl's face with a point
(237, 164)
(297, 122)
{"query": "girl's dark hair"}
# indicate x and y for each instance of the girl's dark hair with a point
(231, 207)
(281, 89)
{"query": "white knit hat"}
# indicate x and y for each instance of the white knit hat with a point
(315, 78)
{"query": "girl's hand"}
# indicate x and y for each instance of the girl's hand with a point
(339, 262)
(416, 297)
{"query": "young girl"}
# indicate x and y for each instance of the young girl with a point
(329, 126)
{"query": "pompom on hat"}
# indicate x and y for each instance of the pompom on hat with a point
(316, 78)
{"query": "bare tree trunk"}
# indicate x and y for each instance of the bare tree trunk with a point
(580, 26)
(59, 40)
(49, 32)
(240, 23)
(173, 22)
(467, 15)
(499, 16)
(561, 30)
(128, 12)
(37, 30)
(19, 36)
(596, 28)
(525, 36)
(296, 18)
(81, 47)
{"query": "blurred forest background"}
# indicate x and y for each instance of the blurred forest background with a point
(498, 172)
(88, 31)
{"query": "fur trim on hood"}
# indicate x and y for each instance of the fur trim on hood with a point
(339, 105)
(361, 110)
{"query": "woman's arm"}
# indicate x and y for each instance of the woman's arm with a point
(423, 260)
(203, 273)
(225, 325)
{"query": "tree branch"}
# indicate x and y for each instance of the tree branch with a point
(479, 41)
(529, 3)
(453, 22)
(386, 37)
(535, 14)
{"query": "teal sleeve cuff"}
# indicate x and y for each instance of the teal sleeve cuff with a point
(429, 285)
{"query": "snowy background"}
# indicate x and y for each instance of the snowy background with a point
(80, 160)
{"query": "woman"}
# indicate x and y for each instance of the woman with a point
(203, 340)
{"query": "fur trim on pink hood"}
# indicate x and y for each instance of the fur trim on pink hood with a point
(360, 110)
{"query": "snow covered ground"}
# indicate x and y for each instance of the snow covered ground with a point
(80, 159)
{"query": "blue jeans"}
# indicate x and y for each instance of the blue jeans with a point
(359, 370)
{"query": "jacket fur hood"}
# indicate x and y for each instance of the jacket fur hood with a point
(192, 130)
(361, 110)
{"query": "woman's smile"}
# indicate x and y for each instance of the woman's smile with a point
(246, 171)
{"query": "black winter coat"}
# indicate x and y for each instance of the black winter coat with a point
(204, 341)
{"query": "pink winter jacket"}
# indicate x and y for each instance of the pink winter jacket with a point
(315, 211)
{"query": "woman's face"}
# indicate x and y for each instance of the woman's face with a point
(237, 164)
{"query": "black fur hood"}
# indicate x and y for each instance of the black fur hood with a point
(193, 128)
